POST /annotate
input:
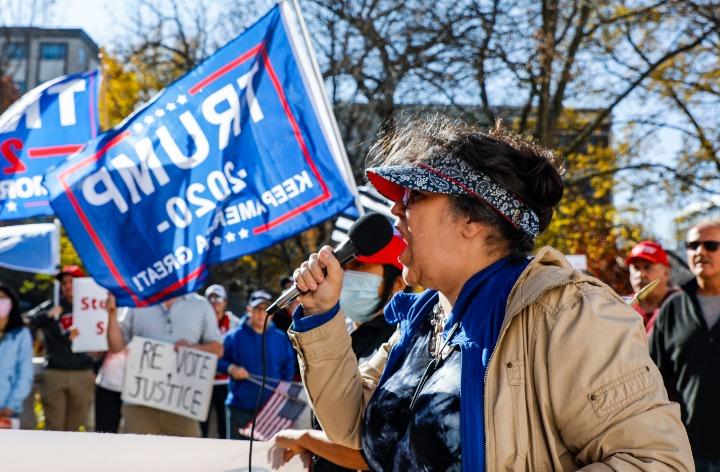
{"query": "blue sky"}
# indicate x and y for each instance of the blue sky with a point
(92, 16)
(102, 20)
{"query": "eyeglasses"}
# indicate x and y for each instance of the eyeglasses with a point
(411, 196)
(406, 197)
(710, 246)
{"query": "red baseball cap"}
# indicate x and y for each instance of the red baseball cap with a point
(389, 254)
(649, 251)
(72, 270)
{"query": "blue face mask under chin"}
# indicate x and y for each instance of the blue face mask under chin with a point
(359, 297)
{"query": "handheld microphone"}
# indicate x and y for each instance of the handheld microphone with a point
(366, 236)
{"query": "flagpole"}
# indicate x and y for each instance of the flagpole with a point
(326, 102)
(105, 94)
(58, 247)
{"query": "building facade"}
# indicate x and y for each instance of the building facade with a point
(31, 56)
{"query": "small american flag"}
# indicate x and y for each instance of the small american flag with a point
(279, 412)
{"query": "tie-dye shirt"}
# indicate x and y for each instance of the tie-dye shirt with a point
(429, 439)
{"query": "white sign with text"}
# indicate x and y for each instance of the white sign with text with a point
(159, 377)
(89, 315)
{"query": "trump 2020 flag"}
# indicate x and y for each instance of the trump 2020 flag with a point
(235, 156)
(39, 131)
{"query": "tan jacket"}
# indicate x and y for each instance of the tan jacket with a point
(570, 383)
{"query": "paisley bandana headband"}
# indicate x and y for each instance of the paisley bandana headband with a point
(452, 176)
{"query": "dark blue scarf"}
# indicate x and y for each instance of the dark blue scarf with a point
(480, 309)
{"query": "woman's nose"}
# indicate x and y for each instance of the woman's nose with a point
(398, 209)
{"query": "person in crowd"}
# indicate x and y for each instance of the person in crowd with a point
(217, 296)
(242, 361)
(505, 362)
(68, 383)
(685, 340)
(108, 392)
(187, 321)
(16, 369)
(648, 262)
(368, 284)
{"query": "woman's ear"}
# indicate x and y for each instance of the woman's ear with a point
(398, 284)
(471, 229)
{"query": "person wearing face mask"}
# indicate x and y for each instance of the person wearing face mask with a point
(369, 282)
(16, 370)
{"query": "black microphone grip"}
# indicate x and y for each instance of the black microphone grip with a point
(345, 253)
(366, 236)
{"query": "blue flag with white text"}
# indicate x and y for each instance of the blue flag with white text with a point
(235, 156)
(30, 248)
(39, 131)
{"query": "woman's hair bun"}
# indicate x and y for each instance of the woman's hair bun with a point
(539, 168)
(543, 181)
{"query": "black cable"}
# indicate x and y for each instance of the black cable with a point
(259, 397)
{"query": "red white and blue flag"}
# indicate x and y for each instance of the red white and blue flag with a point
(237, 155)
(279, 412)
(39, 131)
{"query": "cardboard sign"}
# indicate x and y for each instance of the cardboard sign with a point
(89, 315)
(178, 382)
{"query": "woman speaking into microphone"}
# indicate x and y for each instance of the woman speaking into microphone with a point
(505, 362)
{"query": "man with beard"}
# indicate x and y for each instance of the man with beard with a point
(685, 344)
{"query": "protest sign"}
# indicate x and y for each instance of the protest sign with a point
(237, 155)
(89, 315)
(37, 132)
(179, 382)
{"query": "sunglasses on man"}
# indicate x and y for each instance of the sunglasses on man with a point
(710, 246)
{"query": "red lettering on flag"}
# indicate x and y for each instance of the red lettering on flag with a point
(54, 151)
(9, 149)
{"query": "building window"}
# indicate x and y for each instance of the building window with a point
(82, 57)
(15, 50)
(53, 51)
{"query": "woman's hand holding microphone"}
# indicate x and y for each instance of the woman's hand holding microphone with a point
(319, 279)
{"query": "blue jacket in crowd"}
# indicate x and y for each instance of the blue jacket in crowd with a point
(16, 369)
(242, 347)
